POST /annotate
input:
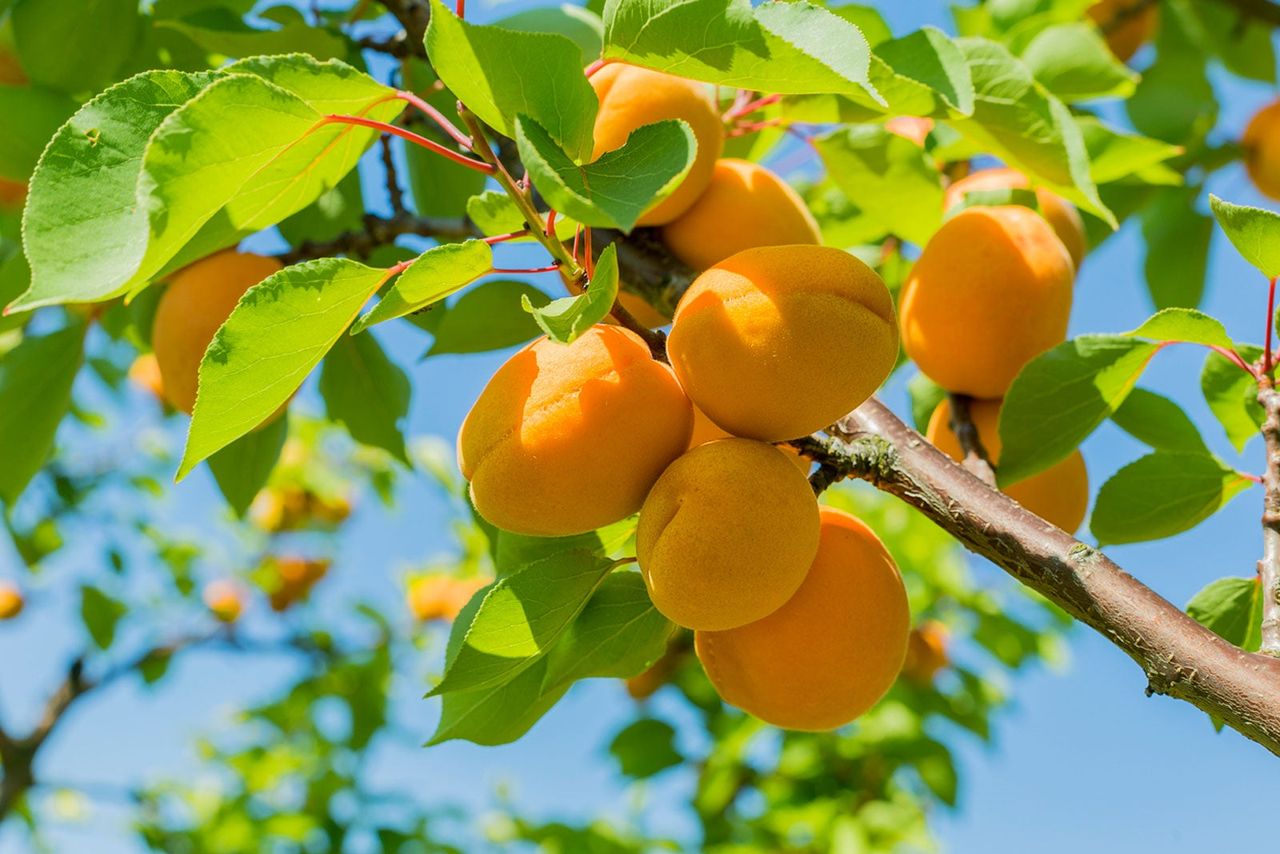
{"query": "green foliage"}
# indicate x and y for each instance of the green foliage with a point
(645, 748)
(1232, 395)
(568, 317)
(1177, 238)
(1075, 64)
(100, 614)
(1254, 232)
(367, 392)
(433, 275)
(1157, 421)
(1231, 607)
(242, 468)
(487, 317)
(47, 33)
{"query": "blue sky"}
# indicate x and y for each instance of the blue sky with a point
(1083, 759)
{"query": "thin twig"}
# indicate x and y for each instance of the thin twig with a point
(1269, 566)
(966, 432)
(394, 191)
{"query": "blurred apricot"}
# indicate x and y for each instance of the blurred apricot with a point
(440, 596)
(224, 599)
(1060, 213)
(566, 438)
(726, 535)
(1261, 142)
(913, 128)
(11, 600)
(631, 96)
(1059, 494)
(292, 508)
(776, 342)
(145, 374)
(926, 652)
(832, 651)
(1126, 25)
(645, 684)
(13, 194)
(990, 292)
(292, 579)
(197, 301)
(743, 207)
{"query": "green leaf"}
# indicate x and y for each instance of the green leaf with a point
(242, 468)
(32, 116)
(224, 32)
(614, 190)
(337, 210)
(35, 393)
(1232, 609)
(789, 48)
(1116, 156)
(1177, 237)
(890, 178)
(1061, 396)
(100, 613)
(488, 317)
(565, 319)
(75, 47)
(1175, 100)
(1160, 495)
(511, 552)
(581, 26)
(501, 74)
(1018, 196)
(1074, 63)
(494, 213)
(1031, 130)
(1232, 395)
(85, 233)
(1157, 421)
(279, 331)
(436, 273)
(925, 396)
(1254, 232)
(367, 392)
(499, 714)
(645, 748)
(1184, 325)
(520, 618)
(618, 634)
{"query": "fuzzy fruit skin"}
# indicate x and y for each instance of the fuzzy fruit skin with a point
(630, 97)
(441, 596)
(567, 438)
(199, 299)
(744, 206)
(1060, 213)
(833, 650)
(1059, 494)
(1261, 143)
(1124, 37)
(11, 601)
(779, 341)
(990, 292)
(926, 652)
(224, 599)
(726, 535)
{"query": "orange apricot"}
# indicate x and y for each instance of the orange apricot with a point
(990, 292)
(292, 579)
(11, 600)
(198, 300)
(440, 596)
(1126, 25)
(145, 374)
(1059, 494)
(1060, 213)
(705, 430)
(926, 652)
(743, 207)
(1261, 142)
(631, 97)
(224, 599)
(726, 534)
(832, 651)
(566, 438)
(779, 341)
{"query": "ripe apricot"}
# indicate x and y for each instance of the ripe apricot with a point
(1060, 213)
(726, 535)
(990, 292)
(705, 430)
(224, 599)
(145, 374)
(829, 653)
(743, 207)
(1059, 494)
(1126, 25)
(440, 596)
(567, 438)
(1261, 142)
(926, 652)
(631, 97)
(11, 600)
(779, 341)
(199, 299)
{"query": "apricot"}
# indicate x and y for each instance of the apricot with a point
(913, 128)
(705, 430)
(292, 508)
(1261, 142)
(11, 600)
(440, 596)
(145, 374)
(1060, 213)
(631, 97)
(926, 652)
(779, 341)
(198, 300)
(726, 535)
(292, 579)
(990, 292)
(1126, 25)
(1059, 494)
(829, 653)
(743, 207)
(224, 599)
(566, 438)
(645, 684)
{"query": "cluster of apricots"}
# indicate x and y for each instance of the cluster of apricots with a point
(293, 508)
(799, 613)
(992, 290)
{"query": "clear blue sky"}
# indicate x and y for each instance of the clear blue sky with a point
(1082, 761)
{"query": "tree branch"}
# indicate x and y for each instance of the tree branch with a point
(1180, 657)
(1269, 566)
(413, 15)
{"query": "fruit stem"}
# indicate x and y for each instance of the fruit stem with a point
(551, 223)
(755, 127)
(462, 8)
(503, 238)
(428, 144)
(435, 116)
(1234, 358)
(521, 271)
(737, 111)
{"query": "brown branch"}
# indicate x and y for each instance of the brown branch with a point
(1269, 566)
(1262, 11)
(413, 15)
(395, 193)
(1180, 657)
(379, 231)
(966, 432)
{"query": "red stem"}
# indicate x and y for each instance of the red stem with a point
(588, 261)
(1267, 361)
(551, 223)
(737, 111)
(412, 137)
(1234, 357)
(521, 271)
(437, 117)
(503, 238)
(594, 67)
(754, 127)
(1256, 478)
(462, 8)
